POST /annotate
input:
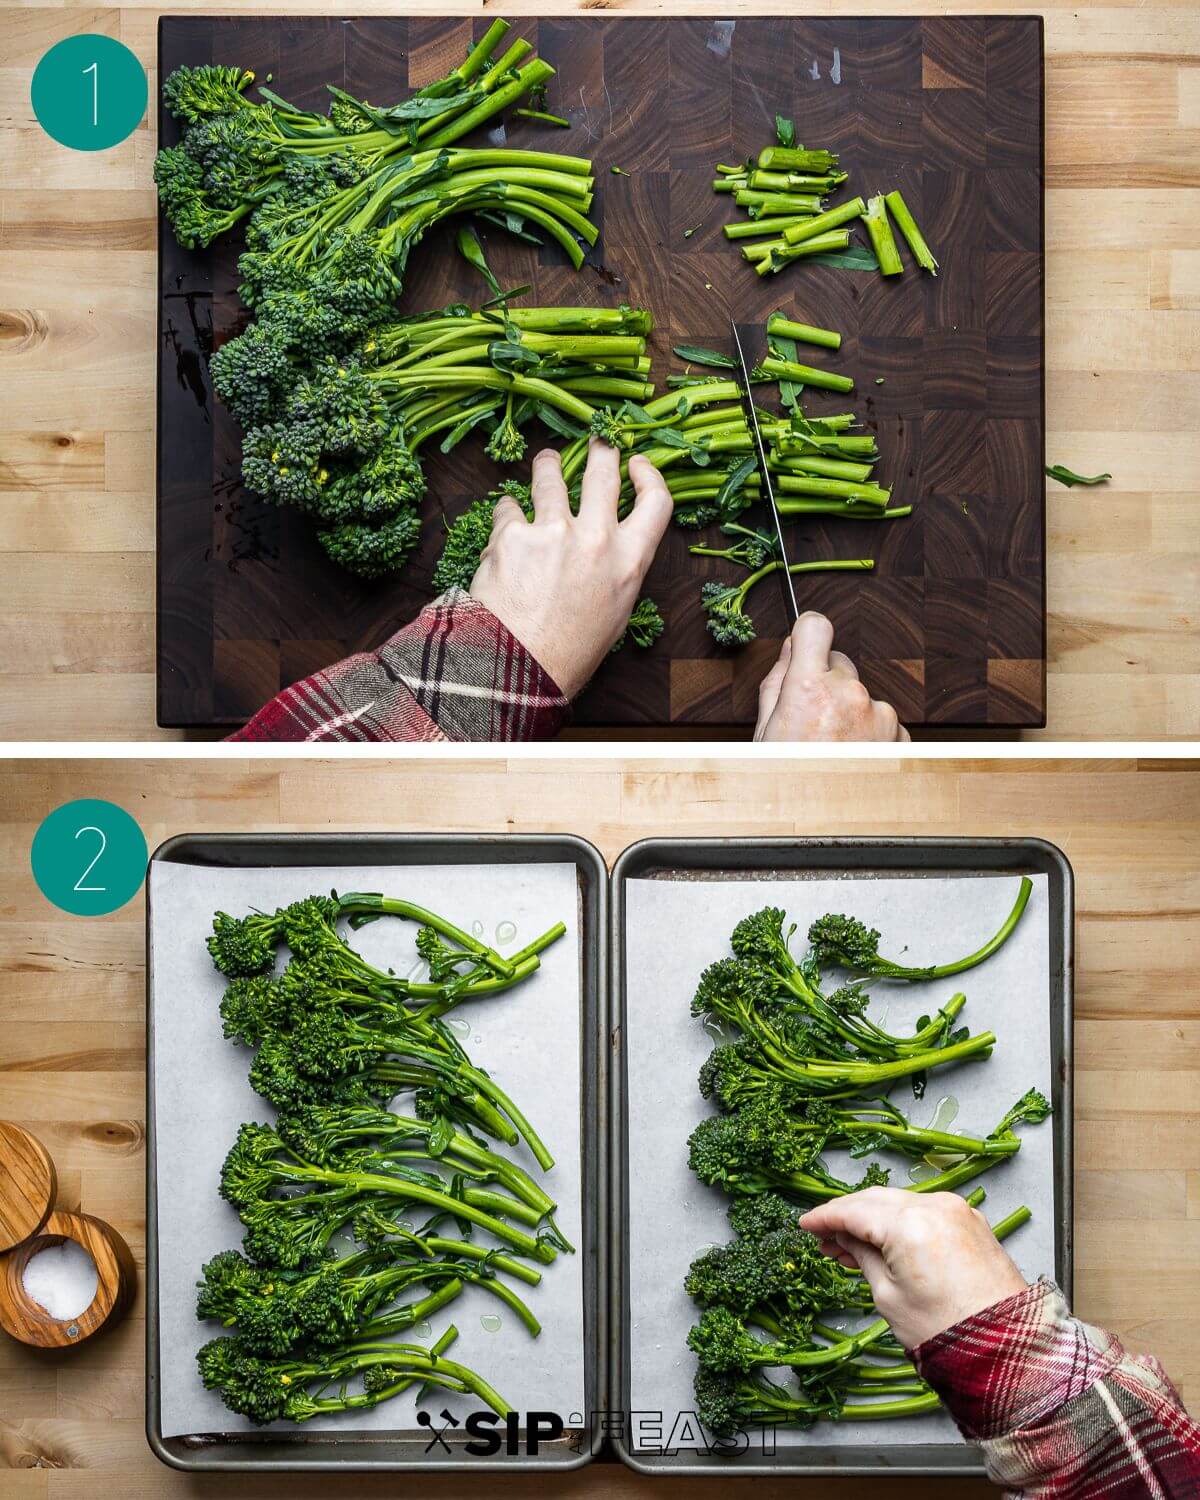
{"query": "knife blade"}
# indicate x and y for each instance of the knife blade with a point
(768, 489)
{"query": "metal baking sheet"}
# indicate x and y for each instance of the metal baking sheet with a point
(199, 1094)
(697, 890)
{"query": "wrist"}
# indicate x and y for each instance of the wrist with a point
(535, 635)
(1007, 1365)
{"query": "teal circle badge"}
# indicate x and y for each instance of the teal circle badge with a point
(89, 857)
(89, 92)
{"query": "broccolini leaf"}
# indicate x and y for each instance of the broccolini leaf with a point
(514, 224)
(854, 258)
(697, 354)
(785, 131)
(671, 437)
(508, 354)
(1070, 478)
(785, 348)
(502, 299)
(728, 500)
(468, 423)
(558, 422)
(418, 108)
(472, 251)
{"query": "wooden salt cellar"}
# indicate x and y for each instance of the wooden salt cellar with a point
(28, 1226)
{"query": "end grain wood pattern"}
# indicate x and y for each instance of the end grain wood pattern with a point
(950, 626)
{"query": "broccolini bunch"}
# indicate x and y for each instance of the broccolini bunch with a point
(334, 206)
(338, 1040)
(801, 1074)
(342, 441)
(239, 156)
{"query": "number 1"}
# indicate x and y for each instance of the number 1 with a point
(94, 70)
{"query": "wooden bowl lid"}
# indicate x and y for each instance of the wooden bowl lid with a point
(27, 1185)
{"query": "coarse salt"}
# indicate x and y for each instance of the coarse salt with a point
(61, 1279)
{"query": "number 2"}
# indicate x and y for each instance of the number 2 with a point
(94, 70)
(79, 885)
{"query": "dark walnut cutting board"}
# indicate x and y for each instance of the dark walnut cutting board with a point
(951, 624)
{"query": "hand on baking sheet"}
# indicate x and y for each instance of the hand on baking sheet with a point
(564, 584)
(813, 693)
(931, 1259)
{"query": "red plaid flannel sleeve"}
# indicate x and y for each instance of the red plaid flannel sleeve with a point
(1059, 1408)
(455, 673)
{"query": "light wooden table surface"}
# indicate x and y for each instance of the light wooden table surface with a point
(72, 1003)
(77, 310)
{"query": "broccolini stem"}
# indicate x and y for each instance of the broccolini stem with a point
(608, 387)
(771, 368)
(805, 332)
(792, 182)
(506, 64)
(831, 242)
(433, 1369)
(420, 990)
(806, 1359)
(527, 78)
(850, 565)
(940, 971)
(544, 116)
(935, 1140)
(482, 50)
(829, 468)
(462, 1249)
(887, 969)
(414, 1312)
(456, 416)
(881, 1411)
(847, 512)
(498, 380)
(499, 1203)
(882, 239)
(841, 489)
(540, 944)
(751, 229)
(1011, 1223)
(899, 1388)
(497, 1288)
(857, 1075)
(396, 1187)
(908, 228)
(365, 903)
(832, 218)
(955, 1176)
(777, 203)
(870, 1374)
(582, 319)
(499, 1098)
(795, 159)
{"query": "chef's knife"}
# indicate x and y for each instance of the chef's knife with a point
(768, 489)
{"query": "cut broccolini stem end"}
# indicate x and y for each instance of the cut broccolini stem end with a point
(883, 242)
(908, 228)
